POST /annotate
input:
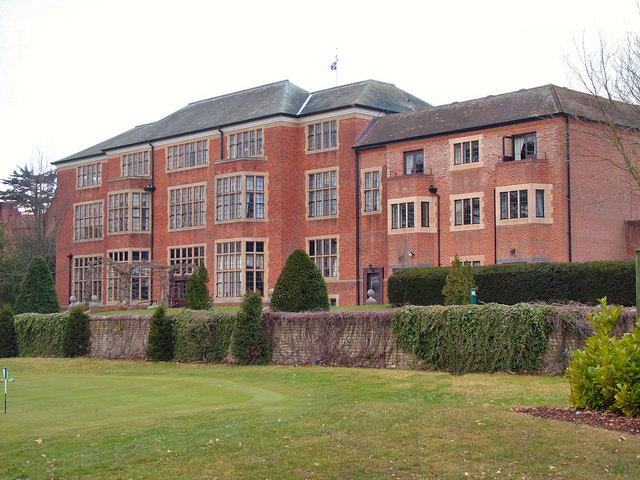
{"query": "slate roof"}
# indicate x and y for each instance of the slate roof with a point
(279, 98)
(529, 104)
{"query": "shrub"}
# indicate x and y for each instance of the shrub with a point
(76, 333)
(37, 293)
(8, 292)
(605, 375)
(40, 335)
(483, 338)
(458, 284)
(8, 343)
(524, 282)
(249, 341)
(196, 293)
(160, 340)
(300, 286)
(201, 336)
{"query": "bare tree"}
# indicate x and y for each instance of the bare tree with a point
(611, 74)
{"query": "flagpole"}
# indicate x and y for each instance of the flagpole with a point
(336, 66)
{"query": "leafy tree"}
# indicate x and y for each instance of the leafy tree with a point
(76, 333)
(160, 340)
(196, 294)
(457, 286)
(37, 293)
(32, 190)
(249, 345)
(300, 286)
(8, 342)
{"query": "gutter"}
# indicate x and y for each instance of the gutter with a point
(151, 189)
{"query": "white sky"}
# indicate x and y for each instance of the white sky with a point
(76, 72)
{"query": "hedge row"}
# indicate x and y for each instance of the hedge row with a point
(470, 338)
(524, 282)
(201, 335)
(40, 335)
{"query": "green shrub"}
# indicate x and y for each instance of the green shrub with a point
(8, 292)
(458, 284)
(37, 293)
(201, 336)
(196, 293)
(40, 335)
(300, 286)
(605, 374)
(76, 333)
(249, 340)
(160, 340)
(475, 338)
(8, 343)
(523, 282)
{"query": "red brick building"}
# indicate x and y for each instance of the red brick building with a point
(365, 177)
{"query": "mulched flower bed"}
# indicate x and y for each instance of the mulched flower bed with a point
(595, 419)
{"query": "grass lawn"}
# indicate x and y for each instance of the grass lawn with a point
(88, 419)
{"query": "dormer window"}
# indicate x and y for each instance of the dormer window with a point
(520, 147)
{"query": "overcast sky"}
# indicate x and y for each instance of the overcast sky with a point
(76, 72)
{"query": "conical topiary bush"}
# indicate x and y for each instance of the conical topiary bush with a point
(300, 286)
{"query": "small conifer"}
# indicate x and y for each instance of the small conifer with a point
(300, 286)
(249, 346)
(37, 293)
(196, 294)
(457, 287)
(160, 340)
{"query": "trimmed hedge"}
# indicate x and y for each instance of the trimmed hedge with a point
(523, 282)
(201, 335)
(38, 292)
(40, 335)
(300, 286)
(476, 338)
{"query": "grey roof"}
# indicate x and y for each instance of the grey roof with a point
(279, 98)
(523, 105)
(381, 96)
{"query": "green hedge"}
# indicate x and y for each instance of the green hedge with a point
(523, 282)
(201, 335)
(476, 338)
(40, 335)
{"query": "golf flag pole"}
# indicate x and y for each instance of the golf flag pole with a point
(5, 380)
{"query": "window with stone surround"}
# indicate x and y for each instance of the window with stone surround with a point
(370, 181)
(129, 212)
(322, 136)
(88, 219)
(189, 257)
(466, 211)
(87, 277)
(246, 144)
(240, 267)
(187, 155)
(89, 175)
(135, 264)
(524, 203)
(322, 194)
(187, 207)
(240, 197)
(324, 252)
(135, 164)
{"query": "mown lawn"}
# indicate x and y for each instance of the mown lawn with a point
(88, 419)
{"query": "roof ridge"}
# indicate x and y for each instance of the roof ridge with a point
(237, 92)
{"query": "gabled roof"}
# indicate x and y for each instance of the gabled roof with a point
(523, 105)
(279, 98)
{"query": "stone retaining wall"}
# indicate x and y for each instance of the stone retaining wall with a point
(351, 339)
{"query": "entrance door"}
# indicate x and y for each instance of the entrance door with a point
(178, 286)
(373, 278)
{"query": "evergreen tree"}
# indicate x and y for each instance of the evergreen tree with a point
(457, 287)
(8, 343)
(300, 286)
(249, 344)
(160, 340)
(76, 333)
(37, 293)
(196, 294)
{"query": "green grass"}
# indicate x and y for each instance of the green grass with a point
(123, 419)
